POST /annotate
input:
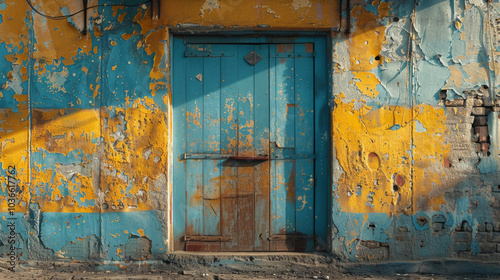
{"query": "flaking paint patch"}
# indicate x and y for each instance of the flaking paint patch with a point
(209, 6)
(367, 83)
(14, 149)
(62, 136)
(366, 40)
(58, 39)
(373, 159)
(142, 128)
(299, 4)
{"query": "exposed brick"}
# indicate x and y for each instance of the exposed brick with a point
(366, 254)
(462, 236)
(481, 228)
(446, 163)
(462, 246)
(478, 111)
(482, 132)
(483, 236)
(495, 237)
(485, 146)
(466, 226)
(489, 227)
(488, 103)
(455, 103)
(369, 243)
(496, 227)
(487, 247)
(478, 145)
(480, 120)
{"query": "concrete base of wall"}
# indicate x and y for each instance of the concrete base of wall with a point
(288, 265)
(434, 267)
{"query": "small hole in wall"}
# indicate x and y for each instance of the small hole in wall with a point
(396, 19)
(395, 188)
(377, 57)
(498, 187)
(486, 87)
(459, 160)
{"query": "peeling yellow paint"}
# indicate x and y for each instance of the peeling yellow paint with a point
(366, 40)
(374, 149)
(14, 149)
(278, 14)
(145, 134)
(367, 83)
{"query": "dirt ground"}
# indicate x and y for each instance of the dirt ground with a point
(225, 267)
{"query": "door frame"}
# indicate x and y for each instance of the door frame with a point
(323, 90)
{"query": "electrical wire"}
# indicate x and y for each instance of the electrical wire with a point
(80, 11)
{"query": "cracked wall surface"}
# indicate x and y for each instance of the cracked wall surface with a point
(85, 119)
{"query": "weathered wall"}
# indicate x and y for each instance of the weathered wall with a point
(84, 120)
(84, 123)
(415, 175)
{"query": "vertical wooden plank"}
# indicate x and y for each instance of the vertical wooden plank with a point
(211, 142)
(229, 101)
(285, 138)
(275, 190)
(246, 120)
(194, 122)
(229, 205)
(246, 178)
(179, 143)
(283, 200)
(229, 185)
(304, 135)
(322, 127)
(261, 113)
(285, 101)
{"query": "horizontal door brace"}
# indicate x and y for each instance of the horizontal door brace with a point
(208, 238)
(291, 237)
(221, 156)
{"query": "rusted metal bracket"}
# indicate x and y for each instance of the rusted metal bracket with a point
(208, 238)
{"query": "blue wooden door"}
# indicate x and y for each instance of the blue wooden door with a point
(244, 147)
